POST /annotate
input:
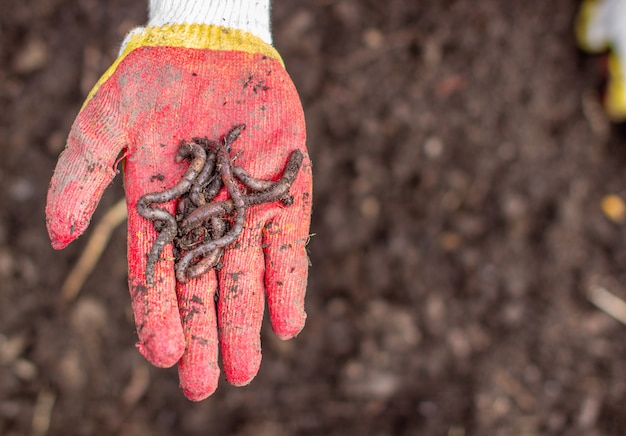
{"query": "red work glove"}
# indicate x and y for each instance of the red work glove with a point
(172, 83)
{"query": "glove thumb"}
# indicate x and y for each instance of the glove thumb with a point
(84, 169)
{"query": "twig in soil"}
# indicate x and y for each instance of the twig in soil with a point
(515, 390)
(42, 413)
(595, 115)
(92, 252)
(608, 302)
(137, 386)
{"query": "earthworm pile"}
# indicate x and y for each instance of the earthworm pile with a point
(203, 228)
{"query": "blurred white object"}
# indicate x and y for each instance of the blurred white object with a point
(601, 26)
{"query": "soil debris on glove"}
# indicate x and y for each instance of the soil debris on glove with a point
(203, 228)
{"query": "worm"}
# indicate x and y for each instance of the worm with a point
(195, 193)
(202, 250)
(232, 135)
(278, 191)
(168, 233)
(203, 228)
(211, 260)
(215, 184)
(236, 197)
(250, 182)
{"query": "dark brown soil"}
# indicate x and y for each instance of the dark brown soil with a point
(460, 160)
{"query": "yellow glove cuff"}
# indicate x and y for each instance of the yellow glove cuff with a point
(194, 36)
(616, 90)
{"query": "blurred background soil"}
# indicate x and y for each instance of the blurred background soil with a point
(461, 159)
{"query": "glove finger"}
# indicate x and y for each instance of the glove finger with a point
(83, 171)
(286, 270)
(240, 307)
(161, 338)
(198, 370)
(286, 261)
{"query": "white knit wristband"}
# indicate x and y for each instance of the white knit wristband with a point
(248, 15)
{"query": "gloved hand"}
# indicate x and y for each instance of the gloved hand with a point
(173, 82)
(601, 27)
